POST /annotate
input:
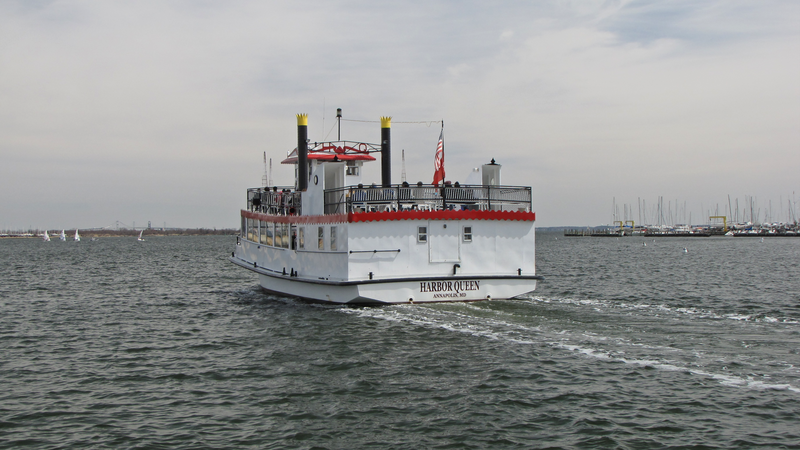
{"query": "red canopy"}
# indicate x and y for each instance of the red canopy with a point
(330, 157)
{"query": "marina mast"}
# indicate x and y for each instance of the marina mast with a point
(403, 165)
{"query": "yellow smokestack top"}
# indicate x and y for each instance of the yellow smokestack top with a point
(386, 122)
(302, 120)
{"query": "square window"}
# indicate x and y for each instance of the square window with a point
(467, 234)
(422, 234)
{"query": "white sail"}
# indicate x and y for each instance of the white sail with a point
(140, 236)
(46, 236)
(63, 236)
(77, 236)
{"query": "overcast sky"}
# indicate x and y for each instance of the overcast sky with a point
(161, 110)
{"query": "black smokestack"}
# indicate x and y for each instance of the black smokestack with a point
(302, 152)
(386, 151)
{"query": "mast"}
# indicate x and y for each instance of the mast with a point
(339, 123)
(613, 210)
(730, 208)
(265, 178)
(403, 164)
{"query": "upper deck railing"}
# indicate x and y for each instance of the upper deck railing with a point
(279, 201)
(427, 197)
(404, 197)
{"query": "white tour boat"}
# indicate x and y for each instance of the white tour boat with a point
(331, 238)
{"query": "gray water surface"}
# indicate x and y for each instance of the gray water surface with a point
(164, 344)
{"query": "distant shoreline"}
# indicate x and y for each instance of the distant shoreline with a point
(131, 233)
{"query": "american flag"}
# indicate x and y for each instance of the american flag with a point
(438, 162)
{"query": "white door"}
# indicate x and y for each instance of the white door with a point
(444, 241)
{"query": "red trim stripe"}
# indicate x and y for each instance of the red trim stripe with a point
(329, 218)
(396, 215)
(441, 215)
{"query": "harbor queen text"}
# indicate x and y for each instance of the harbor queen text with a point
(449, 289)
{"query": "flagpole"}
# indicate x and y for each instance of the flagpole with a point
(439, 160)
(442, 149)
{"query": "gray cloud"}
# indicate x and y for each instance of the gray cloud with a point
(161, 111)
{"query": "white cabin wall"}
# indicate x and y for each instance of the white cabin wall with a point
(326, 263)
(309, 262)
(503, 246)
(334, 174)
(353, 173)
(494, 250)
(313, 198)
(393, 235)
(497, 248)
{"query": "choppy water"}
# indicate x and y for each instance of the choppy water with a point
(164, 344)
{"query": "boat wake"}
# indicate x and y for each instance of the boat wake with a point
(617, 334)
(694, 312)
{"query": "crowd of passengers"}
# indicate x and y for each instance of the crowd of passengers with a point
(450, 196)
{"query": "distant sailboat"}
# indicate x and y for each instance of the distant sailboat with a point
(140, 236)
(46, 237)
(63, 236)
(77, 236)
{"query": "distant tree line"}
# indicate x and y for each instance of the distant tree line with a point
(97, 232)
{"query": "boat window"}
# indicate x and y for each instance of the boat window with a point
(263, 232)
(422, 234)
(251, 230)
(321, 238)
(352, 168)
(244, 227)
(467, 234)
(277, 238)
(333, 238)
(284, 227)
(270, 233)
(301, 238)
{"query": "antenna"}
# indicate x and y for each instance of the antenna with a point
(265, 178)
(403, 165)
(339, 123)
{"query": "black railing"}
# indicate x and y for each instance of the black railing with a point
(427, 197)
(281, 201)
(285, 201)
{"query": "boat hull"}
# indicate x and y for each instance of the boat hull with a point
(394, 291)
